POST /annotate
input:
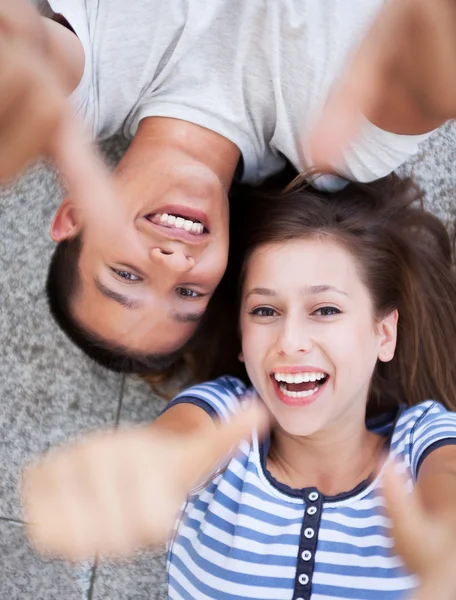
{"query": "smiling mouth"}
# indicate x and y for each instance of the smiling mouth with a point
(300, 385)
(177, 221)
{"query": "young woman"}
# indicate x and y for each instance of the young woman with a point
(348, 334)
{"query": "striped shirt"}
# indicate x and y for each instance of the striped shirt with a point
(247, 536)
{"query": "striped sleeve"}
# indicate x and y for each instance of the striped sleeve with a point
(435, 428)
(220, 398)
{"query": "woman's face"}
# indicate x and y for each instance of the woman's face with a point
(310, 339)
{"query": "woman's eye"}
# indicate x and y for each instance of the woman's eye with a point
(188, 293)
(327, 311)
(127, 275)
(263, 311)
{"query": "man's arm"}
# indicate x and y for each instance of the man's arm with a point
(65, 53)
(40, 64)
(402, 78)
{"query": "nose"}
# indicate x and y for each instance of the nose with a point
(293, 338)
(174, 260)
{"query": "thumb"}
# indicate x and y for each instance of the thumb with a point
(86, 176)
(226, 437)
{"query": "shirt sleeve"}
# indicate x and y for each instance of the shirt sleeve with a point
(375, 153)
(435, 428)
(220, 398)
(82, 99)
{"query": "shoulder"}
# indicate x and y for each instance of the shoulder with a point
(220, 397)
(424, 416)
(421, 429)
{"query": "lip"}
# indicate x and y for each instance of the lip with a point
(298, 370)
(297, 401)
(190, 213)
(174, 233)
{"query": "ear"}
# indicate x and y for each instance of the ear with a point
(388, 334)
(64, 224)
(241, 356)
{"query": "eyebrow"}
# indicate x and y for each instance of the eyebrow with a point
(121, 299)
(309, 290)
(126, 302)
(187, 317)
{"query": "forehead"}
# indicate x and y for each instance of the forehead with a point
(305, 260)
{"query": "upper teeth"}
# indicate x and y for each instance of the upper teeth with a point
(299, 377)
(180, 223)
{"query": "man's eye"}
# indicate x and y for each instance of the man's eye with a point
(127, 275)
(188, 293)
(263, 311)
(327, 311)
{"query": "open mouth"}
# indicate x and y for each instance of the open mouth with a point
(300, 385)
(181, 218)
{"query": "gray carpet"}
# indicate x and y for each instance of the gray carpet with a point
(50, 392)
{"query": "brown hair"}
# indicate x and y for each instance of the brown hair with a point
(404, 255)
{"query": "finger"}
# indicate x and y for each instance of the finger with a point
(106, 495)
(56, 510)
(409, 521)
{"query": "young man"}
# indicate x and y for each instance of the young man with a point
(207, 89)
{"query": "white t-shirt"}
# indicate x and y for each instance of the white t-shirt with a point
(257, 72)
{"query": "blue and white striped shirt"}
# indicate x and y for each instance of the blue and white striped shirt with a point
(247, 536)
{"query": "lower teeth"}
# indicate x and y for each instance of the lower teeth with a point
(303, 394)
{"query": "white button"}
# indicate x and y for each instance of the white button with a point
(311, 510)
(306, 555)
(313, 496)
(303, 579)
(309, 533)
(299, 598)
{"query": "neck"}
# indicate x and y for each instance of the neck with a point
(334, 462)
(197, 143)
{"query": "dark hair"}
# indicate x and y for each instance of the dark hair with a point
(404, 255)
(63, 282)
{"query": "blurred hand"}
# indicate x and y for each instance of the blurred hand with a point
(116, 492)
(402, 78)
(35, 119)
(426, 544)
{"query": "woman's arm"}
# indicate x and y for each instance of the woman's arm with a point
(436, 484)
(114, 492)
(424, 522)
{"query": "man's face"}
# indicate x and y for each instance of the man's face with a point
(150, 262)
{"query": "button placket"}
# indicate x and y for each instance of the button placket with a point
(308, 543)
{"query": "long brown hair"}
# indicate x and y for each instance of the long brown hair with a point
(404, 255)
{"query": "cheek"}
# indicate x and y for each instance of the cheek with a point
(356, 351)
(252, 351)
(214, 266)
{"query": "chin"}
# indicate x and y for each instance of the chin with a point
(297, 425)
